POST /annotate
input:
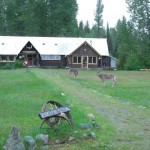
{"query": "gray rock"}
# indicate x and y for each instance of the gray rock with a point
(85, 135)
(70, 139)
(30, 142)
(43, 138)
(93, 135)
(14, 142)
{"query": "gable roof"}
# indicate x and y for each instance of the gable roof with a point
(12, 45)
(81, 45)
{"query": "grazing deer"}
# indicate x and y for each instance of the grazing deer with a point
(73, 71)
(105, 77)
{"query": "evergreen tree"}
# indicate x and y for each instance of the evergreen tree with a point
(38, 18)
(80, 29)
(109, 41)
(140, 17)
(98, 18)
(87, 29)
(113, 34)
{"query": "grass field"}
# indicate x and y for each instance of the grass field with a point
(23, 93)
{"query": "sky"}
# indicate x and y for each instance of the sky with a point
(113, 10)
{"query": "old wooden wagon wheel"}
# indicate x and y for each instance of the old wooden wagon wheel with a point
(55, 114)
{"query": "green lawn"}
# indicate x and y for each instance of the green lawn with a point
(132, 86)
(23, 93)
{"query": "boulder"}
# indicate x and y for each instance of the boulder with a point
(14, 141)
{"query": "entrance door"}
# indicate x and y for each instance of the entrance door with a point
(85, 62)
(33, 59)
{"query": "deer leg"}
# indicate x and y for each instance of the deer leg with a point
(68, 74)
(114, 81)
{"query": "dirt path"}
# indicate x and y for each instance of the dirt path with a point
(132, 122)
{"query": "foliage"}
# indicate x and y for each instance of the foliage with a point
(109, 41)
(98, 18)
(128, 41)
(8, 66)
(140, 17)
(38, 18)
(18, 64)
(13, 65)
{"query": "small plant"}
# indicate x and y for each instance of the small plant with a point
(9, 66)
(18, 64)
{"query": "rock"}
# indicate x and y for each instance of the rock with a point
(85, 135)
(14, 142)
(30, 142)
(86, 126)
(93, 135)
(57, 141)
(70, 139)
(43, 138)
(91, 116)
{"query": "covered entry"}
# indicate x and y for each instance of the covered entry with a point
(30, 54)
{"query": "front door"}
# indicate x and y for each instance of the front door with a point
(33, 59)
(85, 62)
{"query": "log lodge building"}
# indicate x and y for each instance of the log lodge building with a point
(57, 52)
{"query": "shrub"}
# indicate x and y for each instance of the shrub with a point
(18, 64)
(9, 66)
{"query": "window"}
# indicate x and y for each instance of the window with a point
(4, 58)
(51, 57)
(7, 58)
(11, 58)
(92, 60)
(74, 59)
(77, 59)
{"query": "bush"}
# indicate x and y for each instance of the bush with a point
(133, 63)
(18, 64)
(14, 65)
(9, 66)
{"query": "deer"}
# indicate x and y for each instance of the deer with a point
(106, 76)
(73, 71)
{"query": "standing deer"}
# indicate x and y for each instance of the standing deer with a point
(105, 77)
(73, 71)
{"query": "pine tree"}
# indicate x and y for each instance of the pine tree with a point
(98, 18)
(109, 41)
(140, 17)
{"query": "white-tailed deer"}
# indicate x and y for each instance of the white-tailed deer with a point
(73, 71)
(105, 76)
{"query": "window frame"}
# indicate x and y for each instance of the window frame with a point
(78, 60)
(7, 58)
(51, 57)
(93, 60)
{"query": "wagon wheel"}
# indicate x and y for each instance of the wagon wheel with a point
(59, 120)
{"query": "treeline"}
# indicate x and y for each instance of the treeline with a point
(129, 41)
(38, 17)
